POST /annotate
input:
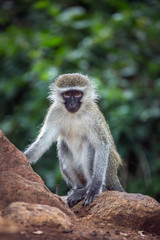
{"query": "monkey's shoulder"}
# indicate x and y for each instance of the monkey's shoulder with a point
(99, 124)
(96, 116)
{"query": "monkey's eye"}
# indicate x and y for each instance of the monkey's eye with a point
(67, 94)
(77, 94)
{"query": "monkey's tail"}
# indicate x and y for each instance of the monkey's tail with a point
(116, 156)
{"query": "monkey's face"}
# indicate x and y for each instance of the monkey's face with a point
(72, 100)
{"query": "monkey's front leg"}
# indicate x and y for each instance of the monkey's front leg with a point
(99, 173)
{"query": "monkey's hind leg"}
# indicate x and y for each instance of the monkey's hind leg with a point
(117, 185)
(114, 185)
(76, 195)
(112, 181)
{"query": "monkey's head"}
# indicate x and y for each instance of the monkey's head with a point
(73, 91)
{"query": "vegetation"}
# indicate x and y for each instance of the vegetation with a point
(117, 44)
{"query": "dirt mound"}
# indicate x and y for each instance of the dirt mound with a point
(28, 210)
(135, 211)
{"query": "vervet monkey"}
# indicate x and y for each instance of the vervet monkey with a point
(87, 153)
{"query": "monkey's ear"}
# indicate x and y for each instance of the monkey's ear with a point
(95, 94)
(52, 92)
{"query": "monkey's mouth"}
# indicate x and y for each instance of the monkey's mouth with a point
(73, 108)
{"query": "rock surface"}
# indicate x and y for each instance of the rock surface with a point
(29, 211)
(11, 159)
(37, 215)
(128, 210)
(18, 182)
(7, 226)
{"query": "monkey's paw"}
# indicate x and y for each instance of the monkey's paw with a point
(91, 195)
(75, 196)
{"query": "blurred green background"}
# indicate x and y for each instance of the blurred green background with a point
(115, 42)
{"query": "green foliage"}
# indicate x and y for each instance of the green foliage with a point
(117, 44)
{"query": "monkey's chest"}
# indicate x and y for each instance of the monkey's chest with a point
(75, 150)
(76, 147)
(74, 134)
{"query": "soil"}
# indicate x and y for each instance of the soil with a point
(83, 230)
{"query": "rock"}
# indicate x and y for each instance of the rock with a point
(123, 209)
(26, 203)
(18, 182)
(36, 215)
(7, 226)
(15, 161)
(64, 198)
(16, 188)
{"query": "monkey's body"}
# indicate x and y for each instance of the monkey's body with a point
(87, 153)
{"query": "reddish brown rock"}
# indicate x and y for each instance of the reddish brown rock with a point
(36, 215)
(26, 201)
(7, 226)
(14, 160)
(18, 182)
(16, 188)
(123, 209)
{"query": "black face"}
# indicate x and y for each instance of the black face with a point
(72, 100)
